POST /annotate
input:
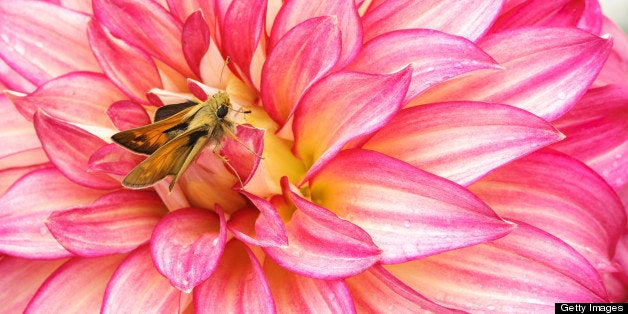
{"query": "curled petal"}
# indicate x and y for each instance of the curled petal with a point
(596, 130)
(238, 285)
(539, 267)
(293, 13)
(322, 245)
(126, 114)
(341, 107)
(391, 294)
(187, 244)
(195, 40)
(115, 223)
(546, 71)
(43, 40)
(534, 188)
(78, 97)
(469, 19)
(27, 204)
(24, 276)
(81, 279)
(69, 148)
(113, 159)
(303, 294)
(16, 133)
(158, 32)
(123, 62)
(243, 154)
(269, 229)
(462, 141)
(430, 214)
(136, 286)
(434, 57)
(288, 73)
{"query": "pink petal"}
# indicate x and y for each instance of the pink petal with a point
(378, 291)
(434, 57)
(16, 133)
(187, 245)
(546, 71)
(115, 223)
(263, 228)
(24, 276)
(69, 149)
(195, 40)
(303, 294)
(44, 41)
(78, 97)
(82, 280)
(244, 153)
(12, 80)
(295, 12)
(591, 19)
(10, 175)
(533, 189)
(26, 206)
(526, 271)
(126, 114)
(322, 245)
(123, 62)
(238, 285)
(469, 19)
(157, 32)
(77, 5)
(368, 101)
(184, 8)
(430, 214)
(241, 33)
(35, 156)
(462, 141)
(113, 159)
(288, 72)
(136, 286)
(597, 132)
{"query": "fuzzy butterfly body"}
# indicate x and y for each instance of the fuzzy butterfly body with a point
(175, 139)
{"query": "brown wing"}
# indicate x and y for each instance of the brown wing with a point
(166, 111)
(147, 139)
(171, 159)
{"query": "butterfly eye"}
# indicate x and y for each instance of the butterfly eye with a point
(222, 111)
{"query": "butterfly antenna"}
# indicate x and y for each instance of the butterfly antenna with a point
(223, 68)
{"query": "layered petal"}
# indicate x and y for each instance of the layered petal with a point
(243, 152)
(82, 280)
(195, 40)
(322, 245)
(187, 244)
(16, 133)
(560, 195)
(157, 32)
(597, 132)
(294, 12)
(263, 228)
(115, 223)
(546, 71)
(238, 285)
(469, 19)
(527, 270)
(43, 40)
(11, 175)
(113, 159)
(24, 276)
(434, 57)
(341, 107)
(303, 294)
(429, 215)
(378, 291)
(288, 73)
(69, 148)
(131, 69)
(462, 141)
(126, 114)
(78, 97)
(137, 286)
(25, 207)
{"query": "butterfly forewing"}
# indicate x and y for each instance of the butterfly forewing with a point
(147, 139)
(167, 111)
(170, 159)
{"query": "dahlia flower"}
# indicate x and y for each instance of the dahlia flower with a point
(399, 155)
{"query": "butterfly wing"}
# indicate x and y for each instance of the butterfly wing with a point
(147, 139)
(173, 158)
(164, 112)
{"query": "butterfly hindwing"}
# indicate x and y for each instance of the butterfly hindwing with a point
(147, 139)
(172, 158)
